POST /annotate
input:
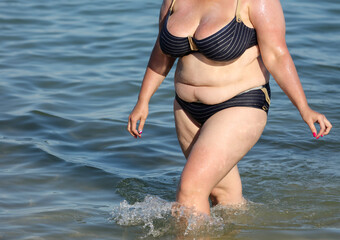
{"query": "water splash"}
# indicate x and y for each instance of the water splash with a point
(158, 219)
(153, 213)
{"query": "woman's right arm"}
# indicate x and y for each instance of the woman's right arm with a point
(158, 67)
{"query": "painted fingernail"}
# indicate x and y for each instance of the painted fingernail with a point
(314, 134)
(321, 135)
(317, 137)
(140, 132)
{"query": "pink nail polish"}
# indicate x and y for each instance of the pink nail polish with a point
(140, 132)
(317, 137)
(321, 135)
(314, 134)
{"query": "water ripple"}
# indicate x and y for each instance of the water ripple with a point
(71, 72)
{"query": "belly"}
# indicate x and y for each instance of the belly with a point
(200, 79)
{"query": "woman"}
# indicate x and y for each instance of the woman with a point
(226, 50)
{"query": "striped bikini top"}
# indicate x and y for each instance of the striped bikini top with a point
(227, 44)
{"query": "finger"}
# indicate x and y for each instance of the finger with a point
(129, 126)
(140, 127)
(312, 128)
(321, 121)
(132, 127)
(328, 126)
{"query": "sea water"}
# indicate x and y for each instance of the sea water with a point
(70, 75)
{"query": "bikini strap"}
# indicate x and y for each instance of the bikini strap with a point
(238, 9)
(172, 5)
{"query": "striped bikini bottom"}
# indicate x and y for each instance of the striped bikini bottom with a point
(256, 97)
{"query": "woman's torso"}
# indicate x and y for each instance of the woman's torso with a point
(200, 78)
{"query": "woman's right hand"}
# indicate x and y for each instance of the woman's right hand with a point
(139, 113)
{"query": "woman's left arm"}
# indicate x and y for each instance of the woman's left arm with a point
(268, 20)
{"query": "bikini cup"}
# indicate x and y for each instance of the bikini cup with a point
(228, 43)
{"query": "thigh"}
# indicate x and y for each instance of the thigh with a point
(187, 129)
(187, 133)
(223, 140)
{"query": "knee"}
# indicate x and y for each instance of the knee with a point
(189, 190)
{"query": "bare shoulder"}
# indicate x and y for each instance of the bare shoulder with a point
(268, 20)
(262, 4)
(266, 14)
(164, 9)
(265, 9)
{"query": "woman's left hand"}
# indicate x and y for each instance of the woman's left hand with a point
(311, 117)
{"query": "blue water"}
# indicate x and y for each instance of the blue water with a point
(70, 75)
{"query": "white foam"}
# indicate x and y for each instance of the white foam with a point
(157, 218)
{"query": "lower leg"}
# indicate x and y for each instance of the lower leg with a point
(229, 190)
(226, 197)
(193, 198)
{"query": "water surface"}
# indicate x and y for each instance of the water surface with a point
(71, 72)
